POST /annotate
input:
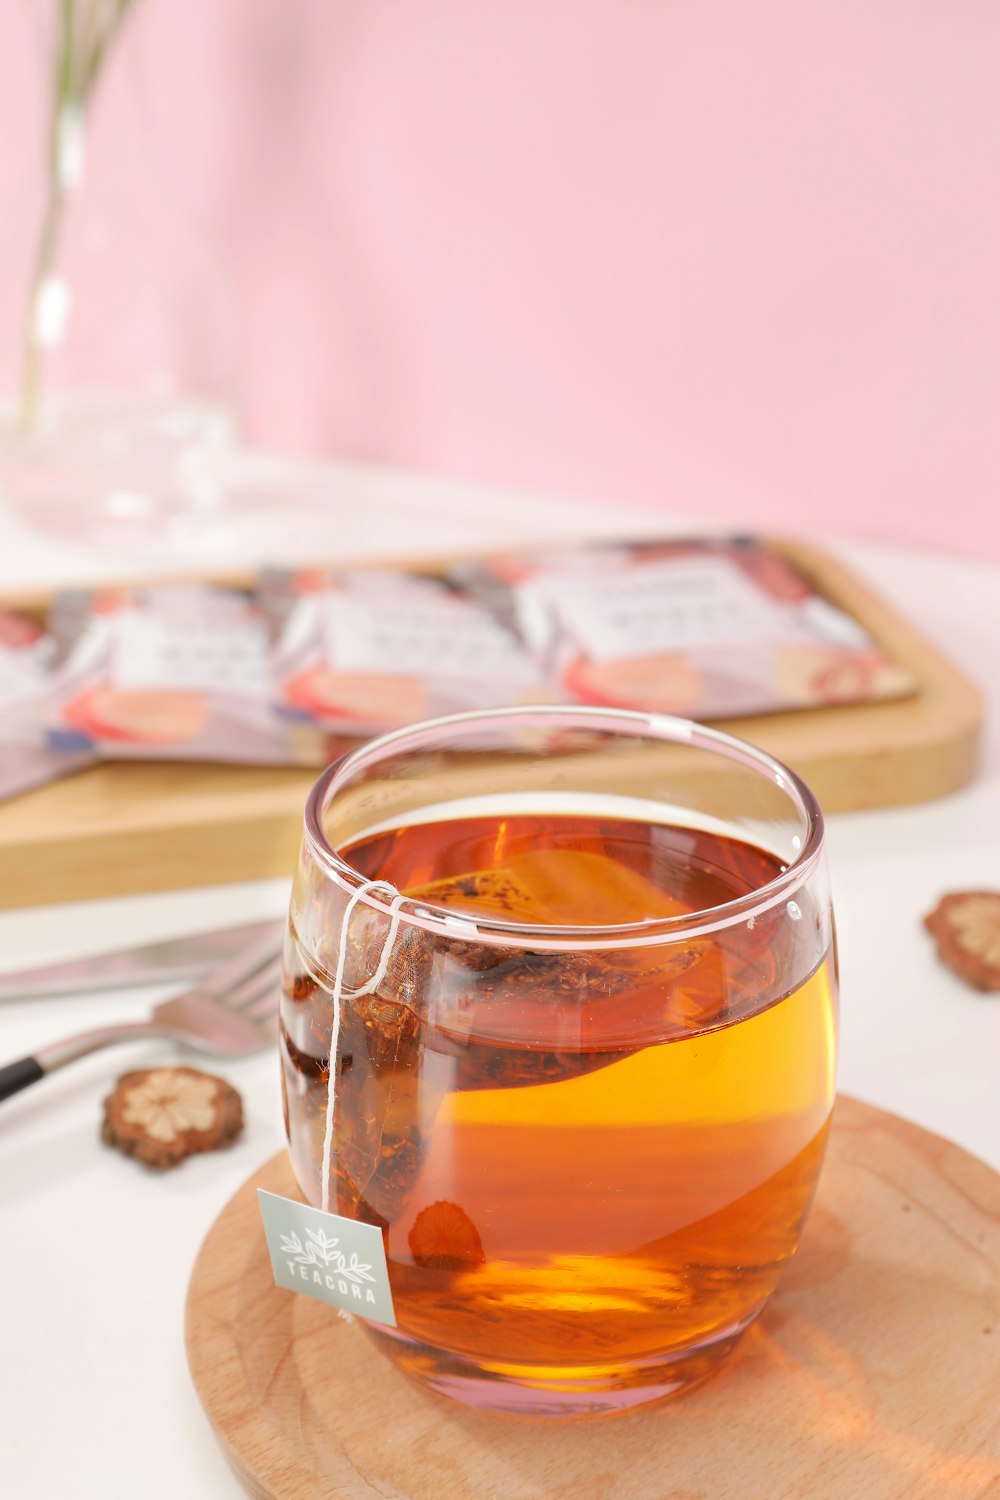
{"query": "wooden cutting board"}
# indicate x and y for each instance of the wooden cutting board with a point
(123, 828)
(874, 1372)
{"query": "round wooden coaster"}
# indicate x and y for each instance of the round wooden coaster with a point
(874, 1371)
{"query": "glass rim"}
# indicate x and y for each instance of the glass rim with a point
(630, 723)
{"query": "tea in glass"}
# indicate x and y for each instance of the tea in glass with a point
(588, 1102)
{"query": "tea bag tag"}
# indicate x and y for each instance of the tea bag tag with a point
(337, 1260)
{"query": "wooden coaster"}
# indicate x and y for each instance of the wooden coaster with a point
(875, 1370)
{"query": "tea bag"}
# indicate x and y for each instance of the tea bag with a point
(586, 1004)
(412, 1014)
(513, 1016)
(384, 1085)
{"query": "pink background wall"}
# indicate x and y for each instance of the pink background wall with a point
(736, 259)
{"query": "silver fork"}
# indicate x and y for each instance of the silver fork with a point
(230, 1014)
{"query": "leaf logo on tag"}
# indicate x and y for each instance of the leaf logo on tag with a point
(335, 1260)
(322, 1251)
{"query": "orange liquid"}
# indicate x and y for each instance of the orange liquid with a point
(590, 1168)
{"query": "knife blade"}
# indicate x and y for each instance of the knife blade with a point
(185, 957)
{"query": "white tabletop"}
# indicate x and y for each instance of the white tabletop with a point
(96, 1398)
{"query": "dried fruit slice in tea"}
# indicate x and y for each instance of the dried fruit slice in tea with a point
(444, 1238)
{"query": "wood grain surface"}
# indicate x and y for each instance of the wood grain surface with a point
(874, 1373)
(121, 828)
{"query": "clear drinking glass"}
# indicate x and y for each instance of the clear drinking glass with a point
(588, 1101)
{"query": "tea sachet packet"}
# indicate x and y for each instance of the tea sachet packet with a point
(705, 629)
(361, 652)
(26, 760)
(176, 671)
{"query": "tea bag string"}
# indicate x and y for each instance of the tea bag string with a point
(339, 993)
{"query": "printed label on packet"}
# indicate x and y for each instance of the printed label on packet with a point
(208, 655)
(335, 1260)
(420, 635)
(675, 605)
(22, 674)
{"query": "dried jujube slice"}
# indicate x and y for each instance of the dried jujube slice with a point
(444, 1238)
(162, 1115)
(966, 928)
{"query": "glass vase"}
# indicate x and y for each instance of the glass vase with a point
(114, 313)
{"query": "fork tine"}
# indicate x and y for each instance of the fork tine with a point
(267, 992)
(261, 1009)
(264, 1008)
(213, 1016)
(263, 985)
(229, 980)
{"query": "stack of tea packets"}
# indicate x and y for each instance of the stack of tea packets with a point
(283, 672)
